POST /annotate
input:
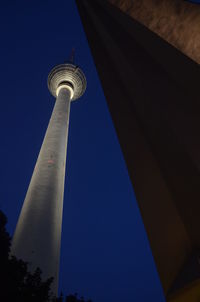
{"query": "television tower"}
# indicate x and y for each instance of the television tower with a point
(38, 232)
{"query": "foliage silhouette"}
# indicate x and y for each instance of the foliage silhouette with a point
(17, 284)
(74, 298)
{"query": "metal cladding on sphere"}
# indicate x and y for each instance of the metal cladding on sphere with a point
(38, 232)
(69, 75)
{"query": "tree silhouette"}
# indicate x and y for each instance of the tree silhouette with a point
(17, 284)
(74, 298)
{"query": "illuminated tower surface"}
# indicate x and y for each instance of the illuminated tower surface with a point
(38, 233)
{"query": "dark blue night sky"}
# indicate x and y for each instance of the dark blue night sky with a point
(105, 253)
(194, 1)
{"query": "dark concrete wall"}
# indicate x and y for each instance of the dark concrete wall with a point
(152, 92)
(176, 21)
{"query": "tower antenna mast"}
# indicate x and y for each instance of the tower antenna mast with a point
(72, 56)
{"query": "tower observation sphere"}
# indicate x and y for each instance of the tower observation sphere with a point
(38, 232)
(67, 75)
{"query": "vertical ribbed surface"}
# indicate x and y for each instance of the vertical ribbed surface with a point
(38, 232)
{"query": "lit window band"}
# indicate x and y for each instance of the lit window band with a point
(67, 85)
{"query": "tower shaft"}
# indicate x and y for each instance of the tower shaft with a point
(38, 233)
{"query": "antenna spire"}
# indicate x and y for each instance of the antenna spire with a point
(72, 56)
